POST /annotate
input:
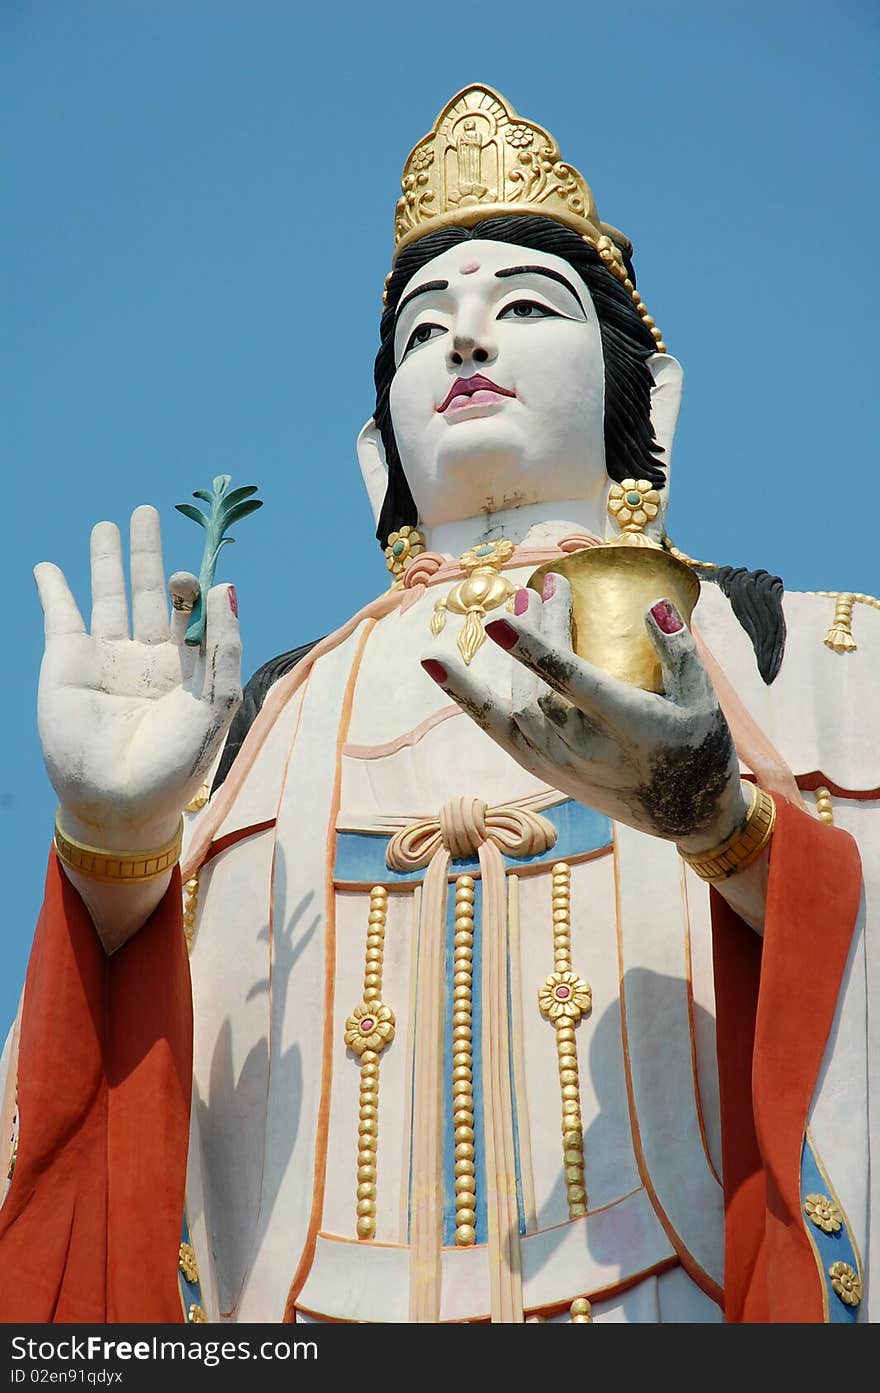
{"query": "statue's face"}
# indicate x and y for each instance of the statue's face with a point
(533, 432)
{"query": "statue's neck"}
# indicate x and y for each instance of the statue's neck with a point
(536, 524)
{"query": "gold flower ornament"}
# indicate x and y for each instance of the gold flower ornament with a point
(846, 1282)
(633, 504)
(823, 1213)
(565, 994)
(369, 1027)
(403, 547)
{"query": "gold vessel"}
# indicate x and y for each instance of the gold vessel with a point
(612, 587)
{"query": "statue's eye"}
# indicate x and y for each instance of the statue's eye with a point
(422, 334)
(528, 309)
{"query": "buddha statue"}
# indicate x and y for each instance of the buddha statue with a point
(504, 975)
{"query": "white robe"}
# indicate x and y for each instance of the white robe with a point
(368, 744)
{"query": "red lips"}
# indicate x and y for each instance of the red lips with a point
(468, 386)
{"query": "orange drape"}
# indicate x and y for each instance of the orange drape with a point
(775, 1000)
(90, 1228)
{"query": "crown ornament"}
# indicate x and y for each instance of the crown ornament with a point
(483, 160)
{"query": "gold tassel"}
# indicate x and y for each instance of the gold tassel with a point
(840, 635)
(471, 635)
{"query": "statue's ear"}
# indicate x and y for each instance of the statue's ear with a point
(665, 401)
(374, 470)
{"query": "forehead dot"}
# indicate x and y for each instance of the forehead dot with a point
(469, 267)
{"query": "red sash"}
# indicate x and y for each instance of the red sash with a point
(90, 1228)
(775, 1001)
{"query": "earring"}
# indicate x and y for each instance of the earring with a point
(402, 547)
(633, 504)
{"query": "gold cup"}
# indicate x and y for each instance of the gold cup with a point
(612, 587)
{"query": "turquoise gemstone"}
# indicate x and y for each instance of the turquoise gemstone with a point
(633, 498)
(483, 550)
(398, 548)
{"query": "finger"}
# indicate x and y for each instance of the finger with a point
(593, 691)
(525, 686)
(222, 688)
(109, 601)
(60, 612)
(556, 611)
(494, 715)
(491, 712)
(184, 590)
(532, 699)
(685, 679)
(149, 607)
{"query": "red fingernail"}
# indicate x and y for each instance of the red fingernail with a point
(521, 601)
(549, 587)
(434, 669)
(667, 617)
(233, 600)
(502, 633)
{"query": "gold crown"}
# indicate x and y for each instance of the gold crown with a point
(483, 160)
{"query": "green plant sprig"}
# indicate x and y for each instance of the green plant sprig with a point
(227, 507)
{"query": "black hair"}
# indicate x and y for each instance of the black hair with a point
(631, 448)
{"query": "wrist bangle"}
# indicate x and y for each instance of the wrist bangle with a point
(740, 849)
(116, 867)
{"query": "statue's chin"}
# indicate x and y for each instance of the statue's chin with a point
(472, 475)
(493, 464)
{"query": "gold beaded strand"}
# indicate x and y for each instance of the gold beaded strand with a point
(824, 806)
(190, 909)
(581, 1312)
(462, 1064)
(563, 999)
(368, 1030)
(612, 259)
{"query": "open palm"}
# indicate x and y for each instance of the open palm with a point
(130, 716)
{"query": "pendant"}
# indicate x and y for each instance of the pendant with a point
(484, 589)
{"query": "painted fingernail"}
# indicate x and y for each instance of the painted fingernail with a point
(521, 601)
(549, 589)
(233, 600)
(667, 617)
(434, 669)
(502, 633)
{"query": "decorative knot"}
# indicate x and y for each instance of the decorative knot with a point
(578, 541)
(417, 576)
(422, 569)
(462, 827)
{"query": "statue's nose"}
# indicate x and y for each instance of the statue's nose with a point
(466, 348)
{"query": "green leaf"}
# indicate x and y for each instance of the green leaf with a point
(237, 494)
(221, 483)
(203, 493)
(241, 510)
(190, 512)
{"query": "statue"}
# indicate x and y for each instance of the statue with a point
(530, 947)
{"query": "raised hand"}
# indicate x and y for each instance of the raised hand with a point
(662, 764)
(130, 717)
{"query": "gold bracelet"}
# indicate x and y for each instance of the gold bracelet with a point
(113, 867)
(743, 847)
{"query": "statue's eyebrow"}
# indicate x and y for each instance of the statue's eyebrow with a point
(420, 290)
(540, 271)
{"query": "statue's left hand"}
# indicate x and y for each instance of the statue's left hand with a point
(662, 764)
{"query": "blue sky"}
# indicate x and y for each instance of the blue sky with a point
(200, 199)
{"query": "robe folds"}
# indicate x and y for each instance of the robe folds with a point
(720, 1072)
